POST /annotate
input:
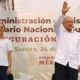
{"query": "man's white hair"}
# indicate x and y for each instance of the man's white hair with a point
(66, 18)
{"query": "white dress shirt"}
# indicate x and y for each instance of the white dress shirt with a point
(67, 45)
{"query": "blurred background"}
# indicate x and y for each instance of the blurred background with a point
(41, 5)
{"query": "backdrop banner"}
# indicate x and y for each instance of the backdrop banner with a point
(33, 39)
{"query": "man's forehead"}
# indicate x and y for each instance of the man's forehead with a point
(68, 18)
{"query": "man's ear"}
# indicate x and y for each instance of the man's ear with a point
(63, 23)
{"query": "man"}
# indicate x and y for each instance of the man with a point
(6, 5)
(67, 57)
(5, 54)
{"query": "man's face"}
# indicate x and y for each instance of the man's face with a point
(68, 23)
(2, 29)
